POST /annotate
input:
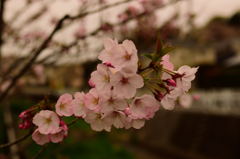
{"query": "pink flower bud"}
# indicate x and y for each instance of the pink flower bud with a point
(108, 64)
(159, 96)
(25, 124)
(63, 125)
(127, 111)
(91, 84)
(24, 115)
(171, 82)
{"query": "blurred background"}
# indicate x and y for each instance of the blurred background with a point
(204, 33)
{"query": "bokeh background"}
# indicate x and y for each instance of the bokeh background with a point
(204, 33)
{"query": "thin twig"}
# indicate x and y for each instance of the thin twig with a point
(16, 141)
(99, 9)
(2, 8)
(49, 38)
(33, 58)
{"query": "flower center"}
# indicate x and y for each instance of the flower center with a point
(127, 56)
(107, 78)
(62, 106)
(48, 120)
(95, 101)
(124, 80)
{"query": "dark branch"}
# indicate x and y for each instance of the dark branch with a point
(16, 141)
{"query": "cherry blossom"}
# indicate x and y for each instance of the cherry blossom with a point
(93, 100)
(102, 78)
(109, 49)
(126, 84)
(47, 122)
(117, 118)
(144, 107)
(63, 105)
(57, 137)
(166, 62)
(97, 122)
(188, 74)
(113, 103)
(39, 138)
(113, 100)
(78, 105)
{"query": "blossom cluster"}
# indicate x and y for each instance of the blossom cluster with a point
(118, 96)
(177, 84)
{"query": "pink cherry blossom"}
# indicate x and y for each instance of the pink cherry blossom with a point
(168, 101)
(47, 122)
(102, 78)
(144, 107)
(120, 55)
(91, 84)
(187, 75)
(117, 118)
(97, 122)
(107, 53)
(187, 72)
(113, 103)
(126, 57)
(63, 105)
(78, 105)
(39, 138)
(125, 84)
(42, 139)
(166, 63)
(138, 123)
(93, 100)
(58, 137)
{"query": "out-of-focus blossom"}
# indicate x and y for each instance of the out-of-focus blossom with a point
(80, 32)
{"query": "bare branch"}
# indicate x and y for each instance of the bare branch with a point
(2, 8)
(16, 141)
(33, 58)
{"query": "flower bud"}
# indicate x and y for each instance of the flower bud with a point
(24, 115)
(171, 82)
(91, 84)
(25, 124)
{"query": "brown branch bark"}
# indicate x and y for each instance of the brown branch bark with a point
(16, 141)
(2, 8)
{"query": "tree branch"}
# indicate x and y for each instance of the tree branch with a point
(2, 8)
(33, 58)
(16, 141)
